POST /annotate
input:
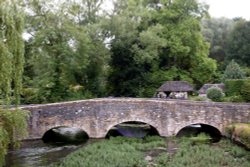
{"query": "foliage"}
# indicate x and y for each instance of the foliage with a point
(123, 152)
(216, 32)
(238, 43)
(209, 155)
(64, 51)
(234, 98)
(115, 152)
(246, 71)
(240, 132)
(233, 86)
(151, 44)
(11, 50)
(197, 98)
(238, 89)
(215, 93)
(233, 71)
(13, 125)
(245, 91)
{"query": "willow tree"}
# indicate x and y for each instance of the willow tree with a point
(13, 123)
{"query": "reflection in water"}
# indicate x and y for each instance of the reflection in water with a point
(132, 129)
(38, 154)
(196, 129)
(65, 135)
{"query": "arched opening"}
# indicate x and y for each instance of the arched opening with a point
(64, 134)
(132, 129)
(196, 129)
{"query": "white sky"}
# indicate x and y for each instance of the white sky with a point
(229, 8)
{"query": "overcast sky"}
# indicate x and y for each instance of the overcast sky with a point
(229, 8)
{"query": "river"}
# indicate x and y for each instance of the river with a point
(36, 153)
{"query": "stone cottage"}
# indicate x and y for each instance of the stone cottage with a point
(174, 90)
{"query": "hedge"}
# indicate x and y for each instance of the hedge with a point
(238, 87)
(245, 91)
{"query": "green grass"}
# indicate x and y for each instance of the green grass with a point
(240, 132)
(116, 152)
(197, 98)
(131, 152)
(222, 154)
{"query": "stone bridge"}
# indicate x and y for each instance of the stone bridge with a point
(97, 116)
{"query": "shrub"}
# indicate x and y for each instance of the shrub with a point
(238, 90)
(236, 98)
(215, 93)
(198, 98)
(233, 71)
(233, 86)
(245, 91)
(13, 127)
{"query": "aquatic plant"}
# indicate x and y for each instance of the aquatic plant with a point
(131, 152)
(115, 152)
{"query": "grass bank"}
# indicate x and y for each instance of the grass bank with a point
(240, 132)
(129, 152)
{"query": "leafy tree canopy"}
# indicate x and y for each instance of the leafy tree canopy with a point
(239, 43)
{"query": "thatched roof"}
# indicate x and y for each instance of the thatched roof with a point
(205, 87)
(175, 86)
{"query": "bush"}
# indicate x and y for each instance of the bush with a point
(236, 98)
(233, 71)
(238, 90)
(13, 128)
(233, 86)
(215, 93)
(245, 91)
(197, 98)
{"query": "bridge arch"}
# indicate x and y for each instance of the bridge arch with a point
(117, 122)
(179, 128)
(48, 128)
(197, 128)
(65, 134)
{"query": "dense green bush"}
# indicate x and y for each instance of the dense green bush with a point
(215, 93)
(233, 71)
(235, 98)
(246, 71)
(245, 91)
(197, 98)
(238, 90)
(13, 127)
(233, 86)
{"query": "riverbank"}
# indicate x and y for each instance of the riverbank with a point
(240, 132)
(153, 151)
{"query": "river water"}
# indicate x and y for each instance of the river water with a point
(38, 154)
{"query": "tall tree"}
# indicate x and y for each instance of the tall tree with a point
(13, 123)
(154, 38)
(239, 43)
(233, 71)
(12, 50)
(63, 51)
(216, 32)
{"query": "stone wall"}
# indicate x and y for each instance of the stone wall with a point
(97, 116)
